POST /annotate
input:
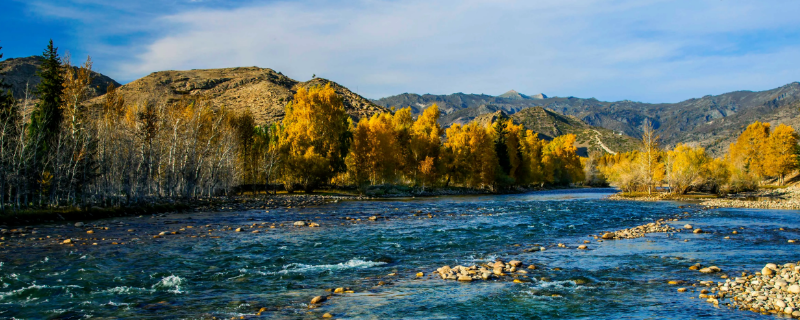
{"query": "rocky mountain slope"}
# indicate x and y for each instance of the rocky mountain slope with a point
(263, 91)
(549, 124)
(711, 121)
(21, 73)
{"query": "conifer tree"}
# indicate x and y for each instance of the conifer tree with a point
(46, 117)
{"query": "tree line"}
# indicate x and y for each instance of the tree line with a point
(760, 153)
(58, 151)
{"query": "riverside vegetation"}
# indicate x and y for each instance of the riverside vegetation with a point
(62, 152)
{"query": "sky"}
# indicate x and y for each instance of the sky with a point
(642, 50)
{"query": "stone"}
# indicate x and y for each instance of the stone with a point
(681, 289)
(794, 289)
(79, 224)
(771, 266)
(90, 232)
(327, 315)
(515, 263)
(339, 290)
(608, 235)
(499, 264)
(464, 278)
(300, 223)
(780, 304)
(420, 274)
(373, 218)
(582, 247)
(313, 225)
(788, 310)
(688, 226)
(238, 229)
(698, 230)
(318, 299)
(68, 241)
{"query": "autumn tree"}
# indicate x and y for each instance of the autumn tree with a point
(687, 167)
(315, 136)
(649, 164)
(425, 139)
(747, 153)
(532, 165)
(779, 157)
(716, 174)
(561, 162)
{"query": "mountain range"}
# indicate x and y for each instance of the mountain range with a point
(712, 122)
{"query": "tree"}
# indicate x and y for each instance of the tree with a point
(652, 170)
(561, 161)
(779, 157)
(747, 153)
(316, 137)
(532, 148)
(687, 166)
(47, 113)
(716, 174)
(425, 138)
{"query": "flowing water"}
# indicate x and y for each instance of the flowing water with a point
(222, 273)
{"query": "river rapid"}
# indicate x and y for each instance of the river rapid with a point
(211, 270)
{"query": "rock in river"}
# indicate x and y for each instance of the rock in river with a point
(318, 299)
(300, 223)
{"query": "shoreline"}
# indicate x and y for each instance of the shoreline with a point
(787, 198)
(240, 203)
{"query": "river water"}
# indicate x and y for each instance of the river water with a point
(221, 273)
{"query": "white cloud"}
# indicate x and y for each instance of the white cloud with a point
(656, 51)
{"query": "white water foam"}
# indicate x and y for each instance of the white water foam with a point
(125, 290)
(172, 283)
(351, 264)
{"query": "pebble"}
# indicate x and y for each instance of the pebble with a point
(318, 299)
(327, 315)
(773, 290)
(688, 226)
(68, 241)
(79, 224)
(238, 230)
(582, 247)
(698, 230)
(300, 223)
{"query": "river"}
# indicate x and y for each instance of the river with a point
(201, 274)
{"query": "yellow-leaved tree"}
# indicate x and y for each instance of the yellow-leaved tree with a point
(747, 153)
(316, 137)
(561, 161)
(686, 167)
(780, 155)
(532, 165)
(426, 142)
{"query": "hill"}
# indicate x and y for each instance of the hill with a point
(711, 121)
(549, 124)
(21, 73)
(263, 91)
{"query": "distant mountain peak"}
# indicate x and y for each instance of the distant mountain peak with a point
(513, 94)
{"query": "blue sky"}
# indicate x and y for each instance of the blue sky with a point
(643, 50)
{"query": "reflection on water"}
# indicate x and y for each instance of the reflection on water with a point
(277, 271)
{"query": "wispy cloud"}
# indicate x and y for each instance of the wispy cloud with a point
(657, 51)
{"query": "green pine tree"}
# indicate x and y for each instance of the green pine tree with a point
(47, 114)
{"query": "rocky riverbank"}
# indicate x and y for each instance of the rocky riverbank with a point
(215, 204)
(785, 198)
(773, 290)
